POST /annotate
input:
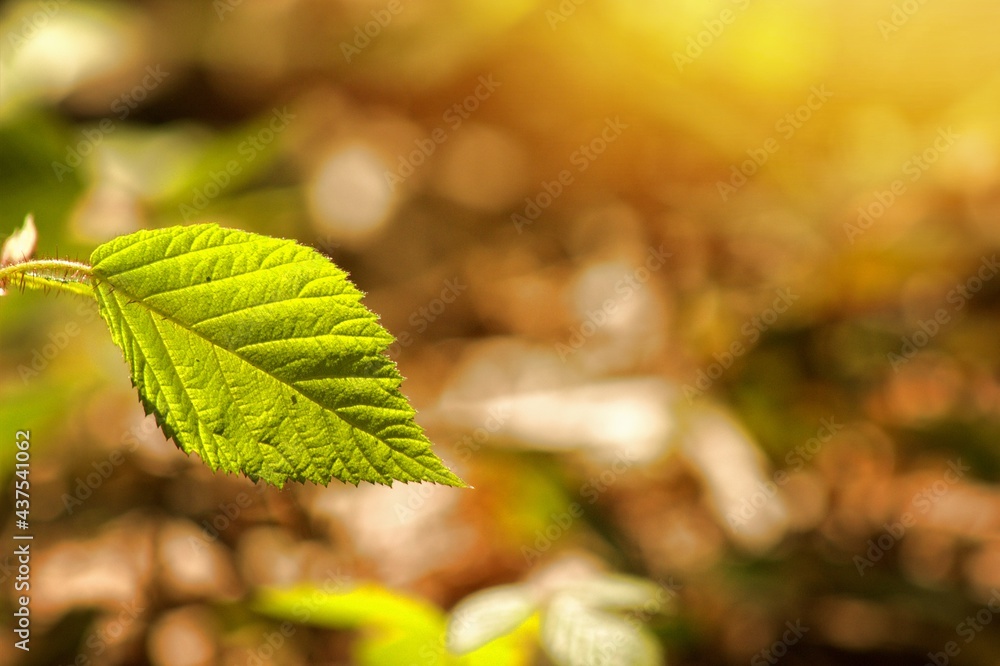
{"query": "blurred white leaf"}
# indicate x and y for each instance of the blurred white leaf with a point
(528, 395)
(21, 244)
(747, 503)
(574, 634)
(616, 592)
(488, 615)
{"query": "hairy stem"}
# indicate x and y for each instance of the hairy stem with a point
(72, 276)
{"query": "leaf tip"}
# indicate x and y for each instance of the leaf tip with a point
(453, 480)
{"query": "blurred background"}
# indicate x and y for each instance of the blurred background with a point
(701, 297)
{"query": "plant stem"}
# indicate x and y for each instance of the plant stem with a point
(72, 276)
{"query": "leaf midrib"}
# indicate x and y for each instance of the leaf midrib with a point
(135, 300)
(214, 347)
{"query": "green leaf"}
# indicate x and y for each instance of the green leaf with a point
(367, 605)
(394, 628)
(257, 354)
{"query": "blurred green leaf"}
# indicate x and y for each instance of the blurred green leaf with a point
(30, 144)
(394, 628)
